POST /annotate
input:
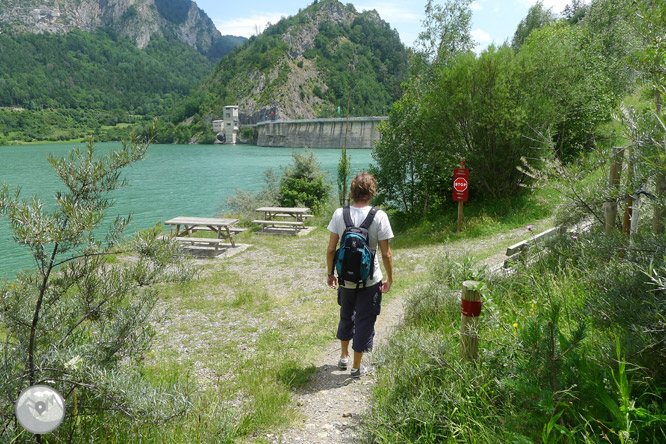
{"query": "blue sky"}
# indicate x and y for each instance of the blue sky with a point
(492, 21)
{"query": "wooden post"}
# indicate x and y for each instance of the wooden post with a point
(460, 202)
(635, 207)
(469, 326)
(660, 181)
(460, 215)
(610, 207)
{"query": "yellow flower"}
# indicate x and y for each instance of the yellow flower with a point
(515, 325)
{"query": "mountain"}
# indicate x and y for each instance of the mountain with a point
(71, 68)
(313, 64)
(95, 70)
(64, 86)
(138, 20)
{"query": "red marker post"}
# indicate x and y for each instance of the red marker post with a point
(460, 189)
(469, 325)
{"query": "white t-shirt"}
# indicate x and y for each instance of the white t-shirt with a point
(380, 229)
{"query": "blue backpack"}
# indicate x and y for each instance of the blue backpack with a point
(354, 261)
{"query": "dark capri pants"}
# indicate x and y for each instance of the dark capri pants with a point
(358, 312)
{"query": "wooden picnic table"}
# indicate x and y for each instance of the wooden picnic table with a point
(222, 227)
(281, 217)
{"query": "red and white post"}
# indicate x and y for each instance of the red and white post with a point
(469, 326)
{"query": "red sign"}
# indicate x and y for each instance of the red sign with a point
(460, 184)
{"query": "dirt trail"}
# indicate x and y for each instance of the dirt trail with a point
(333, 404)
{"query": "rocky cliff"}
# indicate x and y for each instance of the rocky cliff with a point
(138, 20)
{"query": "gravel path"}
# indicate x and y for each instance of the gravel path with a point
(332, 406)
(333, 403)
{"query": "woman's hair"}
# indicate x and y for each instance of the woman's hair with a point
(363, 187)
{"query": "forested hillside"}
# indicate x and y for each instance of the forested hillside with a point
(50, 77)
(120, 63)
(314, 64)
(138, 20)
(99, 71)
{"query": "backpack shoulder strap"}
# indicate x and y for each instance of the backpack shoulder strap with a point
(346, 214)
(369, 218)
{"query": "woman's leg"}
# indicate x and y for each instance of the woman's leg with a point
(347, 301)
(344, 349)
(368, 306)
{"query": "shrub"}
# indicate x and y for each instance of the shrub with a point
(79, 322)
(247, 133)
(303, 183)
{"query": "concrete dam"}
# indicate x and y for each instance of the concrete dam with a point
(360, 132)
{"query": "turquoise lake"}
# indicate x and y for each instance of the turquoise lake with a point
(173, 180)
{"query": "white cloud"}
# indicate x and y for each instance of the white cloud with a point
(476, 6)
(248, 26)
(482, 40)
(481, 37)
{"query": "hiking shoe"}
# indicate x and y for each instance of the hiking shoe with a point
(343, 363)
(358, 372)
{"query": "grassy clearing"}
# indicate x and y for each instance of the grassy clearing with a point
(117, 126)
(246, 330)
(15, 139)
(244, 333)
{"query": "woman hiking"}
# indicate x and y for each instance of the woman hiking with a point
(359, 299)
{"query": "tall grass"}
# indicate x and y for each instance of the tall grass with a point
(571, 350)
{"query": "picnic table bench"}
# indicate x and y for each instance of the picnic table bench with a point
(232, 229)
(283, 217)
(222, 227)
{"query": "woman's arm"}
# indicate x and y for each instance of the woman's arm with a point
(330, 256)
(387, 259)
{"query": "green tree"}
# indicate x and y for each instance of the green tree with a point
(81, 322)
(344, 171)
(575, 11)
(492, 109)
(649, 22)
(565, 101)
(447, 30)
(574, 76)
(303, 183)
(407, 164)
(476, 112)
(537, 17)
(409, 168)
